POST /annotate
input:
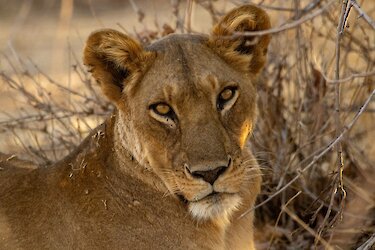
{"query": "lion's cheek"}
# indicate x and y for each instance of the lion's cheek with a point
(160, 164)
(156, 158)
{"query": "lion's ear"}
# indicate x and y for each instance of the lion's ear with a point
(246, 53)
(114, 59)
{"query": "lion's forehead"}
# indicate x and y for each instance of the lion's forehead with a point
(186, 68)
(188, 57)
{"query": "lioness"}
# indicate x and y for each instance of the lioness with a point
(170, 168)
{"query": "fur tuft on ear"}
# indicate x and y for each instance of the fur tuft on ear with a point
(115, 60)
(246, 53)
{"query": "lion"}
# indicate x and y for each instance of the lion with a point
(169, 169)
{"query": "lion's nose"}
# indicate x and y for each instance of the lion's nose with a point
(210, 176)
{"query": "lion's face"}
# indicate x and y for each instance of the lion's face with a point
(192, 113)
(187, 105)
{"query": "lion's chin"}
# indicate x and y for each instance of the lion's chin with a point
(214, 206)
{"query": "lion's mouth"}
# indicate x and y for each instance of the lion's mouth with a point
(216, 204)
(182, 199)
(212, 197)
(216, 197)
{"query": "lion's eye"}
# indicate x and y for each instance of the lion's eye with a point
(163, 110)
(226, 94)
(225, 97)
(163, 113)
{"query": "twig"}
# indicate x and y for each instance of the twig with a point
(32, 118)
(363, 14)
(61, 86)
(348, 78)
(188, 14)
(266, 6)
(176, 12)
(93, 13)
(340, 163)
(368, 244)
(281, 212)
(291, 25)
(140, 13)
(307, 228)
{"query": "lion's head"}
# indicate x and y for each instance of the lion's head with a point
(186, 106)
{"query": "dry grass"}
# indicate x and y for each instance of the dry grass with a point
(314, 137)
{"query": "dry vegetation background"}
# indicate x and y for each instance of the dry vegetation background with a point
(315, 134)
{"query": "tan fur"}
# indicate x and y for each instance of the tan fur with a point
(139, 180)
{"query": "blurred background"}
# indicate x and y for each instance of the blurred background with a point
(310, 198)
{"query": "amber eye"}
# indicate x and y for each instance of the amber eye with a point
(162, 109)
(225, 96)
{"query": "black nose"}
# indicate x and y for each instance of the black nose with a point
(210, 176)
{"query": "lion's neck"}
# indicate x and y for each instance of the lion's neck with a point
(128, 154)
